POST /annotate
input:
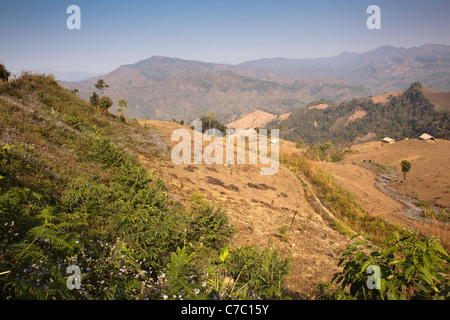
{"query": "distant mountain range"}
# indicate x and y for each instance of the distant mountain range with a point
(163, 88)
(384, 69)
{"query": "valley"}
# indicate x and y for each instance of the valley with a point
(208, 156)
(76, 174)
(259, 205)
(373, 175)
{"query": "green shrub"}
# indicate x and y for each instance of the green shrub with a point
(104, 103)
(245, 273)
(207, 224)
(262, 270)
(411, 267)
(283, 233)
(74, 122)
(104, 151)
(4, 74)
(406, 166)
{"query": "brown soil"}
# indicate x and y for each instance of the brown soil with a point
(386, 97)
(358, 114)
(320, 106)
(428, 179)
(258, 206)
(441, 99)
(255, 119)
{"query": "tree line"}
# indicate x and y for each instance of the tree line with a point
(405, 116)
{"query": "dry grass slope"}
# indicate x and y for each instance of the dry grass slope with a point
(258, 206)
(428, 180)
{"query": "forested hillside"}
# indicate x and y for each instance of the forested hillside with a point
(405, 116)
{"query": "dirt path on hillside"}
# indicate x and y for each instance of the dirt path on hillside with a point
(429, 177)
(409, 210)
(378, 197)
(258, 206)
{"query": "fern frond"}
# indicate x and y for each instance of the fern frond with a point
(59, 240)
(178, 273)
(28, 251)
(132, 287)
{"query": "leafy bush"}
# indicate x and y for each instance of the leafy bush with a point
(181, 275)
(4, 74)
(406, 166)
(103, 151)
(208, 225)
(104, 103)
(262, 270)
(245, 273)
(94, 99)
(411, 267)
(73, 122)
(209, 122)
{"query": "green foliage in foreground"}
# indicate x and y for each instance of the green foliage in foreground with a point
(71, 195)
(125, 233)
(245, 273)
(411, 267)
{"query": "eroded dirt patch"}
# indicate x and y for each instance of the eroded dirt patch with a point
(258, 206)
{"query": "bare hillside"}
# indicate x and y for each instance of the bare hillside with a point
(427, 180)
(255, 119)
(258, 206)
(441, 99)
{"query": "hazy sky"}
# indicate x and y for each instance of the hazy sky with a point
(33, 34)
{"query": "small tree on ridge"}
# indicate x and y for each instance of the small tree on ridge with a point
(406, 166)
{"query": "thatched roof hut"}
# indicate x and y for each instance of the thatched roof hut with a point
(387, 140)
(427, 137)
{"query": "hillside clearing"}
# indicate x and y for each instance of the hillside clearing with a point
(428, 179)
(258, 206)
